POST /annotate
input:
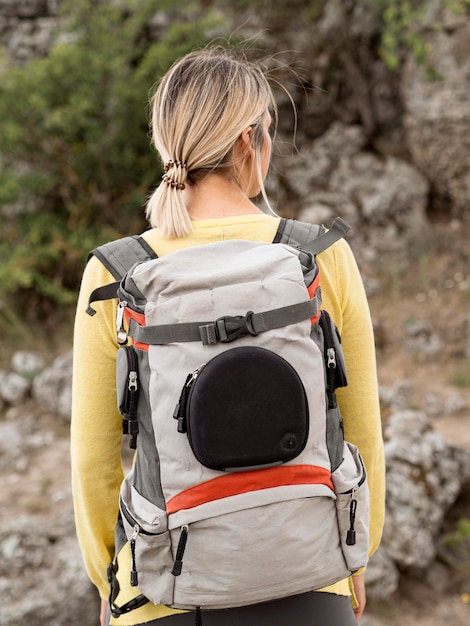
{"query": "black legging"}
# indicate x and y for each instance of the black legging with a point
(307, 609)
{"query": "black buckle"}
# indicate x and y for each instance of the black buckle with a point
(227, 328)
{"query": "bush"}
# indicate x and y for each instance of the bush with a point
(76, 163)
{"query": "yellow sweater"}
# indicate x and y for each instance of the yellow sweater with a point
(96, 431)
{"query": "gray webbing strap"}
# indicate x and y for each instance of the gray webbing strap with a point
(224, 329)
(310, 237)
(118, 257)
(337, 231)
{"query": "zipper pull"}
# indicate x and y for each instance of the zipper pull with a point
(351, 534)
(192, 377)
(132, 386)
(121, 332)
(331, 375)
(134, 578)
(331, 357)
(178, 563)
(180, 409)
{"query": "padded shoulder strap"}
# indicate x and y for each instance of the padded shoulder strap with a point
(118, 257)
(310, 237)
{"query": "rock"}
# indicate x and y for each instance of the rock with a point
(24, 8)
(335, 175)
(27, 364)
(52, 389)
(41, 571)
(382, 575)
(423, 482)
(12, 448)
(397, 396)
(20, 434)
(437, 116)
(14, 388)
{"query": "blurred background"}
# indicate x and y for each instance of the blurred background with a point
(374, 126)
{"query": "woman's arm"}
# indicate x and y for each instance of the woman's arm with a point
(96, 430)
(345, 299)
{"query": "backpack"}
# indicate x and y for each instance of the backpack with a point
(243, 489)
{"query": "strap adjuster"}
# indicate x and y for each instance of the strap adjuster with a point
(227, 328)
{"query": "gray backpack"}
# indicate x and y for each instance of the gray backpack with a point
(243, 489)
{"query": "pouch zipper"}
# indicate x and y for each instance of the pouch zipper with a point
(334, 371)
(330, 358)
(180, 409)
(178, 562)
(351, 534)
(137, 530)
(130, 423)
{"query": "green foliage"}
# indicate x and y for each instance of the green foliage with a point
(402, 22)
(76, 162)
(461, 534)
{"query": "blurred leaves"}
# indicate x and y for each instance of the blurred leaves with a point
(401, 30)
(76, 164)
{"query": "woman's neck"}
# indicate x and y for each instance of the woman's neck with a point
(215, 196)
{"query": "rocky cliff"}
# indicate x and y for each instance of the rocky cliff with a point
(389, 152)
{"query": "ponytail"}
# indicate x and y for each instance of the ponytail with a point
(199, 110)
(166, 208)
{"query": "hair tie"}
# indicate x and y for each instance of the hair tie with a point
(171, 182)
(175, 163)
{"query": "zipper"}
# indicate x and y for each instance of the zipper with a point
(132, 381)
(178, 562)
(137, 530)
(330, 353)
(351, 534)
(130, 422)
(335, 373)
(134, 576)
(180, 409)
(331, 357)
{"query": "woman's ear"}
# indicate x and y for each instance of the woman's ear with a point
(244, 142)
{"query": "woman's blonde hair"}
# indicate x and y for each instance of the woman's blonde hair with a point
(199, 110)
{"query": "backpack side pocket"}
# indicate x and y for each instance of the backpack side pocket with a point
(128, 388)
(146, 529)
(352, 507)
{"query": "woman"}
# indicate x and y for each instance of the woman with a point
(212, 120)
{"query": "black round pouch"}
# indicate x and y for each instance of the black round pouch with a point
(246, 409)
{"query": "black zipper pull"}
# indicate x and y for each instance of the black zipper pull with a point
(178, 564)
(134, 577)
(180, 409)
(351, 535)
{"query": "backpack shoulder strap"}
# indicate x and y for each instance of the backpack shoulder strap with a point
(310, 237)
(118, 257)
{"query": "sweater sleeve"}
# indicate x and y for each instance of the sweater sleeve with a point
(96, 429)
(345, 299)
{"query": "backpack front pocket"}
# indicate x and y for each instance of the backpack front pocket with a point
(245, 408)
(244, 556)
(352, 507)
